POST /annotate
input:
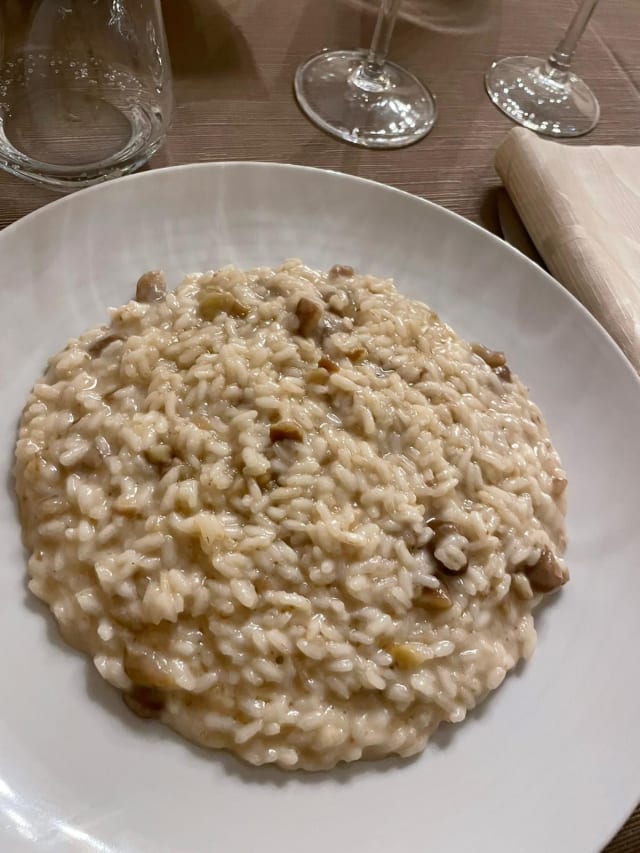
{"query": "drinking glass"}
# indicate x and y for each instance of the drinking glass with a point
(85, 88)
(544, 95)
(363, 98)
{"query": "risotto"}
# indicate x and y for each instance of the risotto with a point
(290, 513)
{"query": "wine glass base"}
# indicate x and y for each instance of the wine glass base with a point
(393, 111)
(551, 104)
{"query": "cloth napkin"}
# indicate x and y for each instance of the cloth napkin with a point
(581, 207)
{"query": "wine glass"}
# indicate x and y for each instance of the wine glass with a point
(85, 88)
(544, 95)
(361, 97)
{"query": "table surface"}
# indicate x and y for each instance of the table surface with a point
(234, 60)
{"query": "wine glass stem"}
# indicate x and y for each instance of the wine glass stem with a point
(559, 62)
(377, 56)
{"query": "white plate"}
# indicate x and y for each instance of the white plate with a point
(550, 762)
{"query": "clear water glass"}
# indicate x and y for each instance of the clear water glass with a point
(362, 97)
(85, 88)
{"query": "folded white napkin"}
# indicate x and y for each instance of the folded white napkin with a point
(581, 207)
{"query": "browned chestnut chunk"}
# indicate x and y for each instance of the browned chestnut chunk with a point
(340, 271)
(151, 287)
(558, 486)
(99, 346)
(147, 668)
(495, 359)
(328, 364)
(309, 314)
(146, 702)
(285, 431)
(546, 574)
(491, 357)
(503, 373)
(433, 599)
